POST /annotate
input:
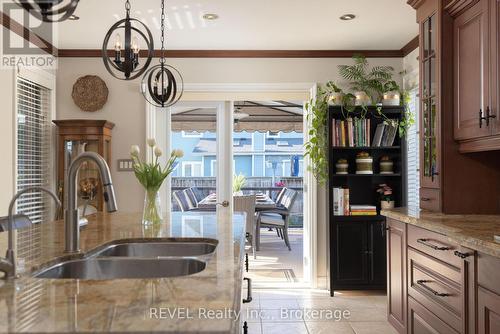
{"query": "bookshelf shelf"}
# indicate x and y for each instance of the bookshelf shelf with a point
(367, 148)
(351, 236)
(368, 175)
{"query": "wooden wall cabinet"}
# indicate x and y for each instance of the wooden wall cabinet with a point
(396, 275)
(472, 73)
(458, 79)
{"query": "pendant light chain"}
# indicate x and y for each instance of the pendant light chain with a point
(127, 7)
(162, 55)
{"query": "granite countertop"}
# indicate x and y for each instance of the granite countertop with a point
(472, 231)
(181, 304)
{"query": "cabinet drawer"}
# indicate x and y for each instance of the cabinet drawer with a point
(421, 321)
(433, 244)
(430, 199)
(437, 286)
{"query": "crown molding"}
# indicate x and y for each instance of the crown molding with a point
(456, 7)
(416, 3)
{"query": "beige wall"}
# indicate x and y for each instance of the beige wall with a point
(126, 108)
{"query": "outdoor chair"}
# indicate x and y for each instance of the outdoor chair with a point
(182, 197)
(279, 217)
(246, 204)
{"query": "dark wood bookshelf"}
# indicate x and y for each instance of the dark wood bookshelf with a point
(357, 243)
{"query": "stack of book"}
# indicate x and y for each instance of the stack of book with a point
(352, 132)
(385, 133)
(363, 210)
(341, 202)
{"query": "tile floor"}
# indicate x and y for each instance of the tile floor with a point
(275, 265)
(278, 307)
(304, 311)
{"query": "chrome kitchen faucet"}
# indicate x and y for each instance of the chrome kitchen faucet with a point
(8, 265)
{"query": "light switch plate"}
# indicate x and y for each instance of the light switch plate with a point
(125, 165)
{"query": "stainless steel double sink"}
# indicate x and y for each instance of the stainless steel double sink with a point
(136, 259)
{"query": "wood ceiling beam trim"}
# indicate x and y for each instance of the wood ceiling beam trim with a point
(410, 46)
(94, 53)
(27, 34)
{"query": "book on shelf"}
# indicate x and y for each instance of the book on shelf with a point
(340, 202)
(351, 132)
(385, 134)
(363, 210)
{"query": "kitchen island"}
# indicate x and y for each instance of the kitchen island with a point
(208, 301)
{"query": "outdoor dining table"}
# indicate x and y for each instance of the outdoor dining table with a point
(262, 203)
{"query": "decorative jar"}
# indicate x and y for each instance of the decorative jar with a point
(364, 163)
(342, 166)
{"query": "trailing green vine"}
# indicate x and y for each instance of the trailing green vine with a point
(317, 146)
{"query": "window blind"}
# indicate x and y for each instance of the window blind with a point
(33, 148)
(413, 153)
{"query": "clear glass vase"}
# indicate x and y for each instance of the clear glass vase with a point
(152, 208)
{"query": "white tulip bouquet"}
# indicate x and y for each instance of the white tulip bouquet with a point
(151, 175)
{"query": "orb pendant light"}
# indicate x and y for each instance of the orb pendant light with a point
(49, 10)
(162, 85)
(126, 65)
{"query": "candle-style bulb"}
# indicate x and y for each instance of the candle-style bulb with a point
(118, 43)
(135, 45)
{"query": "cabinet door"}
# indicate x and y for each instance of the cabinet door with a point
(488, 304)
(471, 57)
(495, 64)
(351, 259)
(396, 274)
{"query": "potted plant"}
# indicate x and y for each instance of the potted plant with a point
(368, 84)
(336, 94)
(386, 200)
(151, 175)
(391, 95)
(239, 182)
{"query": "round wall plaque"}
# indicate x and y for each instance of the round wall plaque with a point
(90, 93)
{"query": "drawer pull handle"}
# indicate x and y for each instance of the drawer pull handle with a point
(461, 255)
(434, 292)
(249, 291)
(425, 199)
(246, 262)
(426, 242)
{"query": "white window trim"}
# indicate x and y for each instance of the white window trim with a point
(192, 163)
(212, 168)
(186, 134)
(216, 93)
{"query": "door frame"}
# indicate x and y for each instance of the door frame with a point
(211, 92)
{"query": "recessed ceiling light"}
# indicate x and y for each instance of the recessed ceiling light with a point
(210, 16)
(348, 17)
(73, 17)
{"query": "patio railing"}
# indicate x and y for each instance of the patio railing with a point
(207, 185)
